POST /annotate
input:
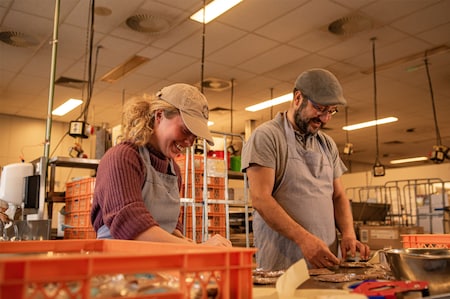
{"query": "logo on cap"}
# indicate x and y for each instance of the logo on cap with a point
(205, 112)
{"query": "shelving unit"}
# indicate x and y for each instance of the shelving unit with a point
(211, 167)
(56, 162)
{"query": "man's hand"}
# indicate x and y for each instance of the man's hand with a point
(317, 253)
(350, 244)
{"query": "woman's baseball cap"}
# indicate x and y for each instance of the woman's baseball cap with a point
(193, 108)
(321, 87)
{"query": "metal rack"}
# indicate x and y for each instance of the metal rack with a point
(226, 201)
(417, 196)
(408, 200)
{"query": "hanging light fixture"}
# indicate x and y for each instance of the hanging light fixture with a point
(378, 168)
(348, 148)
(440, 152)
(231, 148)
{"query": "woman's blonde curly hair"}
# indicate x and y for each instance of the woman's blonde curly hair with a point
(139, 118)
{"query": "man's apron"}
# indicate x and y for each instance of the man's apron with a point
(305, 193)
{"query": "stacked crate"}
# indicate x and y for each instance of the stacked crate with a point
(215, 185)
(79, 195)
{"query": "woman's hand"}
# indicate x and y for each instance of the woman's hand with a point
(218, 240)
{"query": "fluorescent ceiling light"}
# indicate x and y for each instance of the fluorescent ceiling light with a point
(409, 160)
(214, 9)
(370, 123)
(269, 103)
(123, 69)
(69, 105)
(210, 123)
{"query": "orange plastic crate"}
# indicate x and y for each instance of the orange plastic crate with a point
(199, 164)
(216, 208)
(198, 193)
(80, 203)
(27, 269)
(211, 181)
(426, 241)
(213, 208)
(80, 187)
(216, 193)
(80, 233)
(78, 219)
(218, 182)
(216, 220)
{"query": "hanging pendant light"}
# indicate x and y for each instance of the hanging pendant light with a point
(231, 148)
(198, 145)
(348, 148)
(440, 152)
(378, 168)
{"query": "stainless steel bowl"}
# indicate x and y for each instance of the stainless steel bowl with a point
(424, 264)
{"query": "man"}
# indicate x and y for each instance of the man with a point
(294, 172)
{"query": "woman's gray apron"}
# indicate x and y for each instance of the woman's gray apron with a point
(161, 197)
(305, 193)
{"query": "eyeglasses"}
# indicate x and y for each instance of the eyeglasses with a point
(323, 109)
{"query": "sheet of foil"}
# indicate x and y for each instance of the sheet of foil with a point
(264, 277)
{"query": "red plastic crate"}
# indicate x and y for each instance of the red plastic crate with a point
(426, 241)
(28, 270)
(80, 187)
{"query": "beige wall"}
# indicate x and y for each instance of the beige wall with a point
(25, 136)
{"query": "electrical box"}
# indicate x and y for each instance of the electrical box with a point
(79, 129)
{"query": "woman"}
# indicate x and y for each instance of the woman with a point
(137, 188)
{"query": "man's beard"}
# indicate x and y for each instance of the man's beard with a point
(303, 123)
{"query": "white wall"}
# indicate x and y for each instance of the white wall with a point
(362, 179)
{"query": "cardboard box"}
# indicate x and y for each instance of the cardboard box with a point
(379, 237)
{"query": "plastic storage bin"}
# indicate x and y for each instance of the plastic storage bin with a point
(66, 268)
(80, 187)
(426, 241)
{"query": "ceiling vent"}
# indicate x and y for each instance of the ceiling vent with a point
(18, 39)
(148, 23)
(70, 82)
(215, 84)
(350, 25)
